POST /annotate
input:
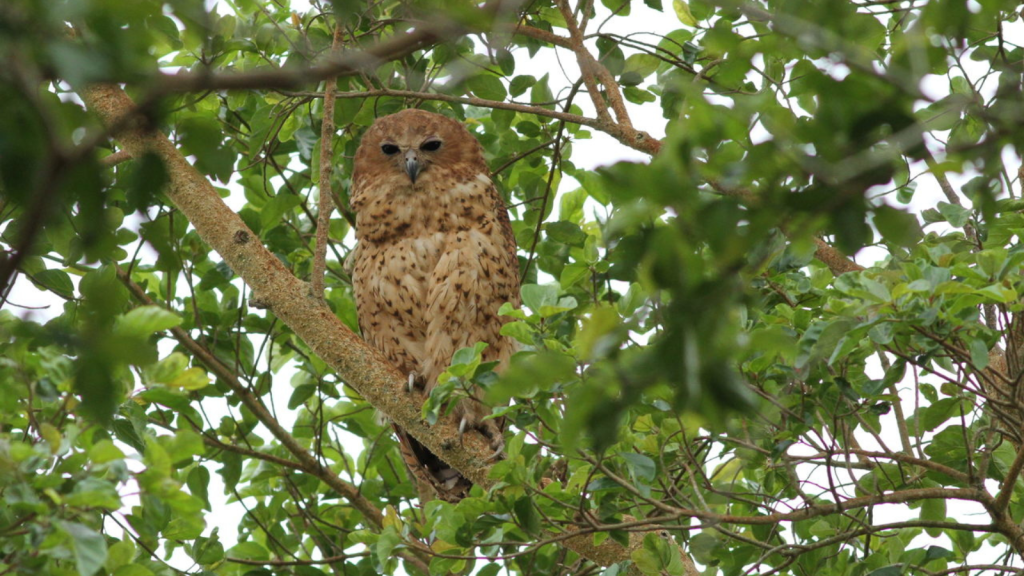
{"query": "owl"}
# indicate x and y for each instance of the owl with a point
(435, 260)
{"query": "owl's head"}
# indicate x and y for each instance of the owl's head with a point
(415, 149)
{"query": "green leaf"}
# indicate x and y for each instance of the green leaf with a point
(487, 87)
(895, 373)
(198, 482)
(526, 515)
(89, 546)
(120, 554)
(207, 551)
(185, 444)
(540, 93)
(563, 305)
(646, 561)
(300, 395)
(641, 64)
(638, 96)
(979, 353)
(897, 226)
(521, 84)
(935, 415)
(999, 293)
(505, 61)
(468, 356)
(682, 10)
(389, 539)
(57, 281)
(942, 115)
(572, 274)
(507, 309)
(565, 232)
(192, 378)
(146, 320)
(881, 333)
(618, 7)
(531, 372)
(658, 556)
(231, 471)
(536, 296)
(936, 553)
(960, 85)
(274, 211)
(544, 300)
(641, 466)
(933, 510)
(906, 193)
(249, 551)
(521, 331)
(167, 370)
(957, 216)
(105, 451)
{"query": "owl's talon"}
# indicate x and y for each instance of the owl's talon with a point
(463, 426)
(415, 382)
(498, 452)
(490, 431)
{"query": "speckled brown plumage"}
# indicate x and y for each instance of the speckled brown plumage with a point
(436, 258)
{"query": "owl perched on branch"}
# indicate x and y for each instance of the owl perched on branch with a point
(436, 258)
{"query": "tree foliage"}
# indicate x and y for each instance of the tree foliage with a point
(707, 382)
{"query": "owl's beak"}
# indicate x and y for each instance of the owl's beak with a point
(412, 165)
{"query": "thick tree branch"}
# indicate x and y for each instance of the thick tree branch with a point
(836, 261)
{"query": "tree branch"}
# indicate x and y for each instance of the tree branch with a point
(586, 62)
(635, 139)
(326, 204)
(345, 63)
(834, 259)
(1003, 497)
(115, 158)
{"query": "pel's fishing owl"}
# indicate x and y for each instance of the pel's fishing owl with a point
(436, 258)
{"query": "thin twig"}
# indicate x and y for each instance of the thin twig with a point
(323, 225)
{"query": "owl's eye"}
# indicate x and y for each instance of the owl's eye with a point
(389, 149)
(431, 145)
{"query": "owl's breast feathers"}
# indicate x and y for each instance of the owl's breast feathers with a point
(432, 263)
(444, 205)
